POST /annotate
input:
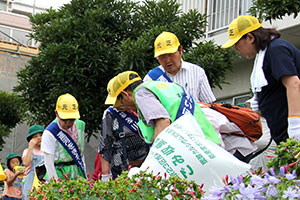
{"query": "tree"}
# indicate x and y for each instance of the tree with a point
(274, 9)
(12, 112)
(87, 42)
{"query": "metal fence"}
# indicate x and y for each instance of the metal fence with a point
(11, 34)
(222, 12)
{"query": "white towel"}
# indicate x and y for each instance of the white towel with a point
(258, 79)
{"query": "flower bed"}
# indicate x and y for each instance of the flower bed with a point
(280, 181)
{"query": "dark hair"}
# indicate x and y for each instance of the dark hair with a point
(263, 37)
(8, 163)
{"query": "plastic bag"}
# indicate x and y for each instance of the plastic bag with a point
(181, 149)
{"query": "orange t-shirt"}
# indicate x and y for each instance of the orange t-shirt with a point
(14, 190)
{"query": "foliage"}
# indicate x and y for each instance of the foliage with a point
(210, 56)
(259, 186)
(277, 182)
(280, 181)
(11, 113)
(287, 154)
(274, 9)
(140, 186)
(87, 42)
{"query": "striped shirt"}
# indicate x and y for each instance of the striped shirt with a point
(193, 78)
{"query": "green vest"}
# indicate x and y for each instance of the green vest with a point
(170, 94)
(64, 156)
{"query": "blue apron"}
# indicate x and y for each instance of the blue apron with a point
(37, 160)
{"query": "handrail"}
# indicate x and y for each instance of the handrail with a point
(221, 13)
(13, 39)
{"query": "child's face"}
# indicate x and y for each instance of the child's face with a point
(14, 162)
(38, 138)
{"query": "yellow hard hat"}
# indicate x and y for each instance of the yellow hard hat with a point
(67, 107)
(118, 84)
(166, 42)
(239, 27)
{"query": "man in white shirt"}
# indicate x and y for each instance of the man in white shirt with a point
(172, 68)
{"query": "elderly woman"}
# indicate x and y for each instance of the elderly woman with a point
(275, 77)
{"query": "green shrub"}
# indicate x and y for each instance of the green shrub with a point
(274, 9)
(287, 154)
(11, 113)
(87, 42)
(140, 186)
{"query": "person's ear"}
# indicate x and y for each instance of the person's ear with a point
(123, 93)
(251, 37)
(126, 93)
(180, 50)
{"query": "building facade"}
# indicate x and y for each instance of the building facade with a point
(220, 13)
(16, 49)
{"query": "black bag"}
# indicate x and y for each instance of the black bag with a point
(40, 172)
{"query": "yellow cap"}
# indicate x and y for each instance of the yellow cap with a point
(239, 27)
(118, 84)
(166, 42)
(67, 107)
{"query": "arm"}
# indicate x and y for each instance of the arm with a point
(160, 125)
(206, 94)
(152, 110)
(49, 147)
(49, 164)
(105, 165)
(105, 169)
(105, 144)
(292, 84)
(10, 181)
(27, 158)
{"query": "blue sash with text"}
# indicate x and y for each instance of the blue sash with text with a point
(156, 73)
(187, 104)
(68, 143)
(126, 118)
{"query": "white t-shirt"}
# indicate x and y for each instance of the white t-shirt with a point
(49, 144)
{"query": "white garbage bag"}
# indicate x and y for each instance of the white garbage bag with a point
(181, 149)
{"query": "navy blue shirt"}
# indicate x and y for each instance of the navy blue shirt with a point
(281, 59)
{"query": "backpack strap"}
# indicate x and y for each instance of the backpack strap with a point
(262, 150)
(123, 141)
(126, 119)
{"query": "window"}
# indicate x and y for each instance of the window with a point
(221, 13)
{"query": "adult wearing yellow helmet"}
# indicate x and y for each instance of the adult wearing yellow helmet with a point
(275, 77)
(173, 68)
(63, 141)
(157, 103)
